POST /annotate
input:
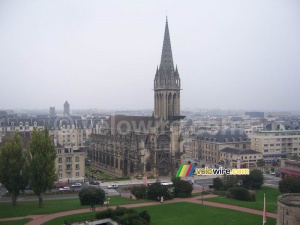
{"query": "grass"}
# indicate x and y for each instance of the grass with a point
(53, 206)
(15, 222)
(271, 200)
(184, 213)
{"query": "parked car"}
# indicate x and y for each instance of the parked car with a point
(65, 189)
(273, 173)
(76, 185)
(113, 186)
(93, 182)
(60, 185)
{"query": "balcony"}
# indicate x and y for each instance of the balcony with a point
(68, 162)
(68, 170)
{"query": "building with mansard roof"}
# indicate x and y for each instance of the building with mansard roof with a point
(135, 146)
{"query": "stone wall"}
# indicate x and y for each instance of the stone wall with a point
(288, 209)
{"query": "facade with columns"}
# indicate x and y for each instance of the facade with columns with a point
(136, 146)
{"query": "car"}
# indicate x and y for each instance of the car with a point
(273, 173)
(60, 185)
(65, 189)
(76, 185)
(93, 182)
(113, 186)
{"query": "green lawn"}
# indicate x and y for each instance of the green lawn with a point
(188, 214)
(15, 222)
(53, 206)
(271, 200)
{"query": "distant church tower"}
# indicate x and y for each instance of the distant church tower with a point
(167, 83)
(67, 108)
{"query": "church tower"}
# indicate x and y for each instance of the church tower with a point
(167, 83)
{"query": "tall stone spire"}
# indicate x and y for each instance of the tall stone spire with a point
(167, 83)
(166, 61)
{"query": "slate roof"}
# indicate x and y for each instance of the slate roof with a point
(225, 135)
(130, 122)
(239, 151)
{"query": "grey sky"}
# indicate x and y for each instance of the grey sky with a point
(103, 54)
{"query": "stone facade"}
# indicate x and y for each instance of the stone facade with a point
(136, 146)
(288, 208)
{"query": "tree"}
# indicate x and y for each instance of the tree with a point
(157, 190)
(41, 163)
(290, 184)
(217, 183)
(182, 188)
(12, 167)
(91, 195)
(139, 191)
(261, 163)
(254, 180)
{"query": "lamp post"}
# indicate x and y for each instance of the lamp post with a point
(202, 194)
(107, 199)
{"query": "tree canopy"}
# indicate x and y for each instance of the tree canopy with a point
(41, 163)
(12, 166)
(254, 180)
(290, 184)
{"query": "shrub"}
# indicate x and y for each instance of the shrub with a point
(221, 193)
(125, 216)
(139, 191)
(182, 188)
(217, 183)
(104, 214)
(91, 195)
(240, 193)
(290, 184)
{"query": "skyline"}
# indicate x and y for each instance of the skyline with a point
(104, 54)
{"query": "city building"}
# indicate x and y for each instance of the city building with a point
(52, 111)
(289, 167)
(276, 144)
(208, 145)
(70, 164)
(136, 146)
(255, 114)
(239, 158)
(67, 109)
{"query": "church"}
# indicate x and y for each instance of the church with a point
(138, 146)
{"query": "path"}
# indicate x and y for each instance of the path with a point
(40, 219)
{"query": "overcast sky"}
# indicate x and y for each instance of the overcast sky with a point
(103, 54)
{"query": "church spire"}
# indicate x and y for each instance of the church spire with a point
(166, 61)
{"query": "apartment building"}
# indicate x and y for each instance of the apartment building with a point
(70, 164)
(276, 144)
(239, 158)
(208, 145)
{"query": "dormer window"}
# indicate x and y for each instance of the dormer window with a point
(26, 124)
(21, 123)
(35, 124)
(12, 123)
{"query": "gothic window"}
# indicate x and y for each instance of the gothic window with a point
(163, 142)
(148, 166)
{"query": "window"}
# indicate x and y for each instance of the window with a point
(237, 145)
(59, 160)
(77, 159)
(69, 167)
(60, 167)
(60, 175)
(77, 174)
(58, 151)
(77, 166)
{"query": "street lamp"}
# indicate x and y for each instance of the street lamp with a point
(107, 199)
(202, 194)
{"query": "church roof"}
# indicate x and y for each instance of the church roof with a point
(166, 61)
(131, 123)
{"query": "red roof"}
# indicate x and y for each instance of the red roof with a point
(291, 172)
